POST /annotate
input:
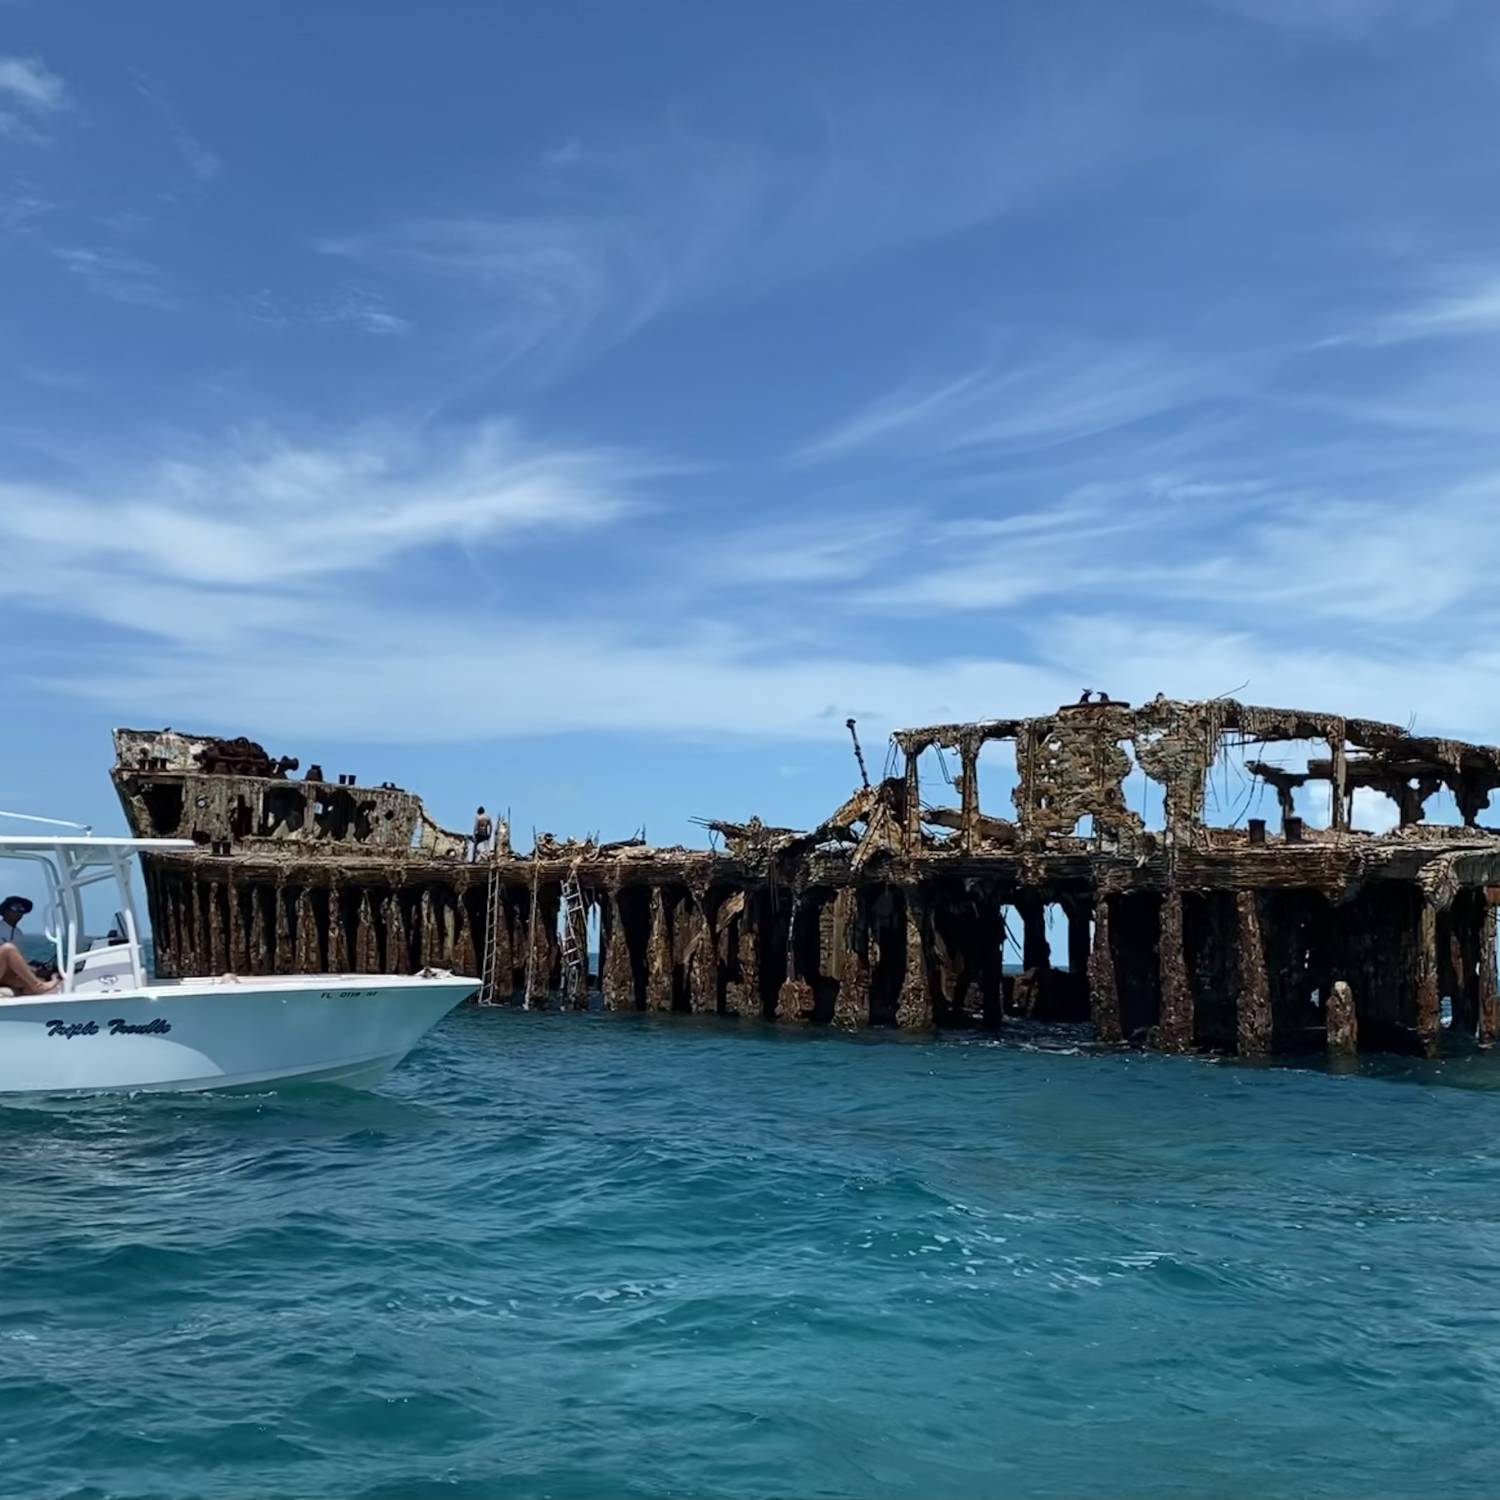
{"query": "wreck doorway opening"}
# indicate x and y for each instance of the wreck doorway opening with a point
(1135, 945)
(815, 957)
(773, 931)
(633, 903)
(886, 911)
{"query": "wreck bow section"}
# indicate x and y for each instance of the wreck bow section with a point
(1170, 875)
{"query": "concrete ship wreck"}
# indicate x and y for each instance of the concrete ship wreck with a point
(1231, 934)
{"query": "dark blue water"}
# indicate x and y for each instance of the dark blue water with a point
(593, 1255)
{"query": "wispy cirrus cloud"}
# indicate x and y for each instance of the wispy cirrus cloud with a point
(202, 162)
(1349, 17)
(1034, 400)
(599, 241)
(29, 93)
(354, 307)
(1467, 306)
(118, 276)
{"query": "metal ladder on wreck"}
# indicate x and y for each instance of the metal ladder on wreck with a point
(573, 921)
(487, 975)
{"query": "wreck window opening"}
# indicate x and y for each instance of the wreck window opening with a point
(283, 810)
(1144, 795)
(1084, 827)
(163, 801)
(940, 774)
(1289, 785)
(1442, 809)
(1374, 811)
(999, 779)
(338, 816)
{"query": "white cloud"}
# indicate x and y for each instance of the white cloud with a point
(31, 85)
(268, 513)
(440, 675)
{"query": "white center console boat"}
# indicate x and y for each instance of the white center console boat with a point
(110, 1027)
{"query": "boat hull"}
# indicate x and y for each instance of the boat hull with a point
(197, 1034)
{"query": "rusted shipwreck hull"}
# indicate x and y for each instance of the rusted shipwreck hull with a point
(1223, 932)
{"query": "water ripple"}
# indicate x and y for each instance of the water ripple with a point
(574, 1256)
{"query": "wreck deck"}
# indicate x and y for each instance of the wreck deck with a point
(1265, 934)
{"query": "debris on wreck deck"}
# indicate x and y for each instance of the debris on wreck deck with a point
(1166, 849)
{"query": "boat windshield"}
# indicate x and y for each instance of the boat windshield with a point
(69, 865)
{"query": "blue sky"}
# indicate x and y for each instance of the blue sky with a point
(585, 407)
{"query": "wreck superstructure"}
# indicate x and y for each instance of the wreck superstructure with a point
(1156, 876)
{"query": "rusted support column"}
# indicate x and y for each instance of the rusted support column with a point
(1174, 1032)
(1429, 1016)
(1343, 1023)
(237, 956)
(1489, 1003)
(1253, 1012)
(794, 1000)
(912, 831)
(744, 997)
(851, 1008)
(431, 941)
(617, 978)
(969, 763)
(658, 956)
(200, 926)
(1340, 775)
(702, 960)
(504, 966)
(1036, 951)
(465, 960)
(449, 924)
(217, 957)
(283, 956)
(1104, 992)
(366, 948)
(914, 1004)
(258, 956)
(309, 959)
(169, 963)
(397, 952)
(338, 938)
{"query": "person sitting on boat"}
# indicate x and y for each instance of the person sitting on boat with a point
(481, 832)
(16, 975)
(12, 909)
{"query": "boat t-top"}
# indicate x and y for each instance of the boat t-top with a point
(110, 1026)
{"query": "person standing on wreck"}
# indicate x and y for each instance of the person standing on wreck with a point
(482, 831)
(16, 975)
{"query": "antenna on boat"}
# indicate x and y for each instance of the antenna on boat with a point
(51, 822)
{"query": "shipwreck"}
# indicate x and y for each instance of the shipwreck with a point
(1159, 877)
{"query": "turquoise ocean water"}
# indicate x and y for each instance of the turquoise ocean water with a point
(588, 1255)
